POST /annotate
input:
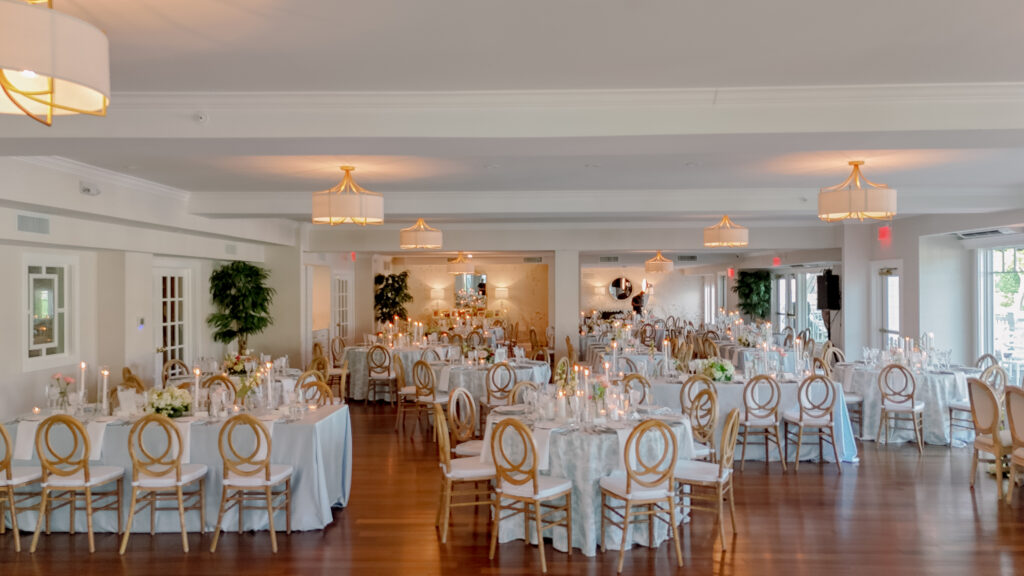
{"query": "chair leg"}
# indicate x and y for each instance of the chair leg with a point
(799, 445)
(625, 532)
(568, 520)
(604, 500)
(43, 513)
(288, 506)
(881, 421)
(675, 531)
(181, 517)
(732, 507)
(220, 518)
(88, 518)
(974, 466)
(835, 450)
(495, 525)
(999, 475)
(270, 519)
(540, 537)
(14, 519)
(918, 425)
(778, 446)
(202, 506)
(446, 513)
(1009, 489)
(951, 427)
(743, 452)
(721, 517)
(131, 518)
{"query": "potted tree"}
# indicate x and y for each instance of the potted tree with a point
(242, 300)
(391, 294)
(754, 289)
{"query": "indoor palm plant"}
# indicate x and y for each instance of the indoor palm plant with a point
(754, 289)
(391, 294)
(242, 300)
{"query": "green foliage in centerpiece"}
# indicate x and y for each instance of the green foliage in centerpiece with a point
(391, 294)
(242, 298)
(754, 288)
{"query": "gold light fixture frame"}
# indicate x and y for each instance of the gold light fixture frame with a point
(348, 203)
(852, 200)
(461, 265)
(726, 234)
(419, 236)
(65, 63)
(658, 265)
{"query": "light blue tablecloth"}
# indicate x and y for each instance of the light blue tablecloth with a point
(319, 447)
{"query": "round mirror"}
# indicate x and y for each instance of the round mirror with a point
(620, 288)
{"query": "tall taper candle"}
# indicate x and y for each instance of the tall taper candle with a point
(195, 388)
(81, 383)
(104, 392)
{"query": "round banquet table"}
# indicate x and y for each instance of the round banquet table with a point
(584, 457)
(730, 395)
(935, 389)
(474, 377)
(359, 378)
(740, 356)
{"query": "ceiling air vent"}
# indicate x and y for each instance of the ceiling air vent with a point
(683, 258)
(532, 259)
(608, 259)
(33, 224)
(984, 233)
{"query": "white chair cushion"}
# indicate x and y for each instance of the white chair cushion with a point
(616, 484)
(547, 487)
(702, 451)
(693, 471)
(470, 448)
(961, 405)
(984, 441)
(407, 391)
(278, 473)
(337, 371)
(793, 416)
(21, 475)
(189, 474)
(438, 399)
(758, 421)
(903, 407)
(382, 376)
(469, 468)
(853, 398)
(97, 475)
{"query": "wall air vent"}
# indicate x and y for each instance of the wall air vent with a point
(984, 233)
(684, 258)
(532, 259)
(608, 259)
(33, 224)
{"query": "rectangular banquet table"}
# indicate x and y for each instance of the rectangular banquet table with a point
(319, 447)
(730, 395)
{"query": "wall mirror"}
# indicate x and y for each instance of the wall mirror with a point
(471, 291)
(620, 288)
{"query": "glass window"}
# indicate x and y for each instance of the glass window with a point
(1006, 304)
(47, 313)
(890, 330)
(814, 320)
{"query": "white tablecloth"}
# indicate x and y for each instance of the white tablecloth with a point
(730, 395)
(935, 389)
(359, 378)
(585, 458)
(319, 447)
(474, 378)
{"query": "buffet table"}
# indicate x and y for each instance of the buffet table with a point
(318, 446)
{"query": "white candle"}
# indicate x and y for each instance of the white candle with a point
(81, 383)
(104, 392)
(35, 410)
(195, 388)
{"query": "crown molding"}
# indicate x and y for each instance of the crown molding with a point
(574, 99)
(103, 176)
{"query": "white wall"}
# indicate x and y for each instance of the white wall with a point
(674, 293)
(946, 276)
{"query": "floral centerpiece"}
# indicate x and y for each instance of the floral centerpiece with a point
(171, 402)
(717, 369)
(247, 385)
(599, 388)
(565, 379)
(61, 384)
(235, 363)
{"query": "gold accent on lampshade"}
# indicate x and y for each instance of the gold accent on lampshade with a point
(659, 264)
(461, 265)
(851, 200)
(348, 202)
(726, 234)
(51, 63)
(419, 236)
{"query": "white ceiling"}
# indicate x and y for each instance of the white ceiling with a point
(490, 149)
(409, 45)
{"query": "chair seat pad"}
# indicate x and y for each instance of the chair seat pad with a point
(984, 441)
(793, 417)
(903, 407)
(961, 405)
(97, 475)
(702, 451)
(336, 371)
(758, 421)
(616, 484)
(382, 376)
(278, 473)
(547, 487)
(470, 448)
(693, 471)
(438, 399)
(853, 398)
(21, 475)
(469, 468)
(189, 474)
(407, 391)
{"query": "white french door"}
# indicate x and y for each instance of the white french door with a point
(340, 310)
(172, 334)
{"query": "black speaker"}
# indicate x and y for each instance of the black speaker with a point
(829, 297)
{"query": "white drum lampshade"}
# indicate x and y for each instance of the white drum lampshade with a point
(851, 200)
(725, 234)
(461, 265)
(658, 265)
(348, 202)
(419, 236)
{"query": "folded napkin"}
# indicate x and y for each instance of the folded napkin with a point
(500, 355)
(25, 443)
(184, 426)
(129, 400)
(96, 431)
(519, 352)
(444, 378)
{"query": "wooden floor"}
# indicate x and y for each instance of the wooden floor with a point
(894, 513)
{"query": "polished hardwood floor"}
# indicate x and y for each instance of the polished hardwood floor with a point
(893, 513)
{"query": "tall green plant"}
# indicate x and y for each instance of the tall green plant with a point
(242, 299)
(391, 294)
(754, 289)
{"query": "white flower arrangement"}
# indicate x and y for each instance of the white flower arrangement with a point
(172, 402)
(717, 369)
